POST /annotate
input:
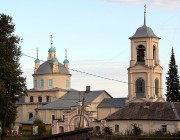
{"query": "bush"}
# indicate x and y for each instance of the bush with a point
(107, 131)
(136, 130)
(41, 126)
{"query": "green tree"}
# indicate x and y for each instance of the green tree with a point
(12, 83)
(172, 83)
(41, 126)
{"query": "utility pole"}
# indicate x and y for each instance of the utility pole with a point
(81, 106)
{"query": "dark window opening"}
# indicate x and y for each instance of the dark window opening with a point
(40, 99)
(47, 99)
(154, 52)
(30, 115)
(157, 87)
(116, 128)
(141, 54)
(31, 99)
(164, 128)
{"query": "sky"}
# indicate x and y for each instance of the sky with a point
(95, 33)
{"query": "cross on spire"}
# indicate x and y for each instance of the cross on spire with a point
(145, 15)
(37, 53)
(65, 53)
(51, 41)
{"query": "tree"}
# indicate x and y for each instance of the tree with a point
(41, 126)
(12, 83)
(172, 83)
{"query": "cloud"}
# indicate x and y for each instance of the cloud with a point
(165, 4)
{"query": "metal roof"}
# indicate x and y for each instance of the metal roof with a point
(144, 32)
(71, 99)
(113, 102)
(148, 111)
(31, 120)
(47, 68)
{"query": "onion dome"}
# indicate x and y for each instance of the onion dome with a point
(52, 49)
(54, 59)
(37, 61)
(47, 68)
(66, 61)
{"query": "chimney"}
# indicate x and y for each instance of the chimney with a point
(88, 88)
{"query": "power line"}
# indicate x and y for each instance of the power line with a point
(87, 73)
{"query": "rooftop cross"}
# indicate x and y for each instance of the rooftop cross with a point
(66, 54)
(37, 53)
(51, 41)
(145, 15)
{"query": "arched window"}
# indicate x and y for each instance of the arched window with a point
(157, 87)
(31, 99)
(61, 129)
(141, 54)
(140, 88)
(154, 52)
(30, 115)
(116, 128)
(39, 99)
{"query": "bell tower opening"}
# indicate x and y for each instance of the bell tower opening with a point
(154, 52)
(141, 54)
(140, 88)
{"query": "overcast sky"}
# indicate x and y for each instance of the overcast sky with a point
(95, 33)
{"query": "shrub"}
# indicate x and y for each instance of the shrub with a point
(136, 130)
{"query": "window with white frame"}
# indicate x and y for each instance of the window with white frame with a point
(50, 82)
(41, 83)
(116, 128)
(31, 99)
(164, 128)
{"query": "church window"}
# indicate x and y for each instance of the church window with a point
(140, 88)
(116, 128)
(35, 83)
(47, 99)
(40, 99)
(53, 117)
(154, 52)
(31, 99)
(41, 83)
(141, 54)
(30, 115)
(50, 82)
(164, 128)
(157, 87)
(67, 83)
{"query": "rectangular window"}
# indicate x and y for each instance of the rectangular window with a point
(41, 83)
(50, 83)
(35, 83)
(67, 83)
(40, 99)
(164, 128)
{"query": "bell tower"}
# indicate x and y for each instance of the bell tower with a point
(144, 72)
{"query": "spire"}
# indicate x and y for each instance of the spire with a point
(65, 60)
(51, 42)
(37, 53)
(65, 54)
(145, 15)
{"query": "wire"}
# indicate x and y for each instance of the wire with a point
(87, 73)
